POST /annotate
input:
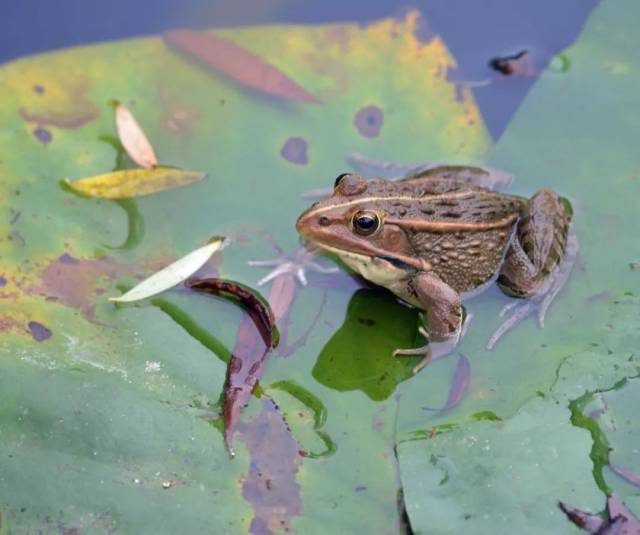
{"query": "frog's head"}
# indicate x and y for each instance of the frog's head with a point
(359, 222)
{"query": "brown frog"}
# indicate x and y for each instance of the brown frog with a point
(440, 234)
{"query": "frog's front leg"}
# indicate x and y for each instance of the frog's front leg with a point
(444, 316)
(538, 261)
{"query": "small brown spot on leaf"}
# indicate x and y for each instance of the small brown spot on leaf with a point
(369, 121)
(39, 332)
(43, 135)
(65, 105)
(294, 150)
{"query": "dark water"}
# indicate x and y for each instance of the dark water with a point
(474, 31)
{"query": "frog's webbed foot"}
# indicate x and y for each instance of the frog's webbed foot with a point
(422, 350)
(298, 264)
(433, 350)
(518, 310)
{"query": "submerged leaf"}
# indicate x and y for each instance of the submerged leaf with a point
(133, 138)
(459, 385)
(134, 182)
(174, 273)
(237, 63)
(621, 521)
(257, 307)
(249, 355)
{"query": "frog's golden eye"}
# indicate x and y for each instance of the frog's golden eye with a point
(366, 222)
(339, 178)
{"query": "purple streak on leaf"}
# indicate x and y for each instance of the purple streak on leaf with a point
(459, 385)
(618, 509)
(628, 475)
(621, 521)
(587, 521)
(270, 485)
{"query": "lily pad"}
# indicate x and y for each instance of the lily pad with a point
(549, 383)
(112, 415)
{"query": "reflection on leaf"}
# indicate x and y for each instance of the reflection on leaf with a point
(359, 355)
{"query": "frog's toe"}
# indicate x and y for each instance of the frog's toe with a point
(519, 311)
(297, 265)
(423, 350)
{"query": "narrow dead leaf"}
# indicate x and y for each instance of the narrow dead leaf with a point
(134, 182)
(133, 139)
(257, 336)
(173, 274)
(237, 63)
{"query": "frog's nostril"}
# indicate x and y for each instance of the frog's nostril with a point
(324, 221)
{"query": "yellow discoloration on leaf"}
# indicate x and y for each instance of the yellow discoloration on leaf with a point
(47, 97)
(395, 64)
(130, 183)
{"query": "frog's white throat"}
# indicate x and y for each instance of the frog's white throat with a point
(375, 269)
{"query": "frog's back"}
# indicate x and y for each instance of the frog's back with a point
(464, 230)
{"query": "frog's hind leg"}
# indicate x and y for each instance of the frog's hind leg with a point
(538, 261)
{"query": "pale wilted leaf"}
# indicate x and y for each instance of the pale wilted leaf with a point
(173, 274)
(133, 138)
(134, 182)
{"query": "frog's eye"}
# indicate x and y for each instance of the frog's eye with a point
(339, 178)
(366, 223)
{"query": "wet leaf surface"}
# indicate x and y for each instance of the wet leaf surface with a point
(564, 395)
(118, 409)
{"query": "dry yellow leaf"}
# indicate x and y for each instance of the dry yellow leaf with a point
(134, 182)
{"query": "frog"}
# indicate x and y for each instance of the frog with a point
(442, 234)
